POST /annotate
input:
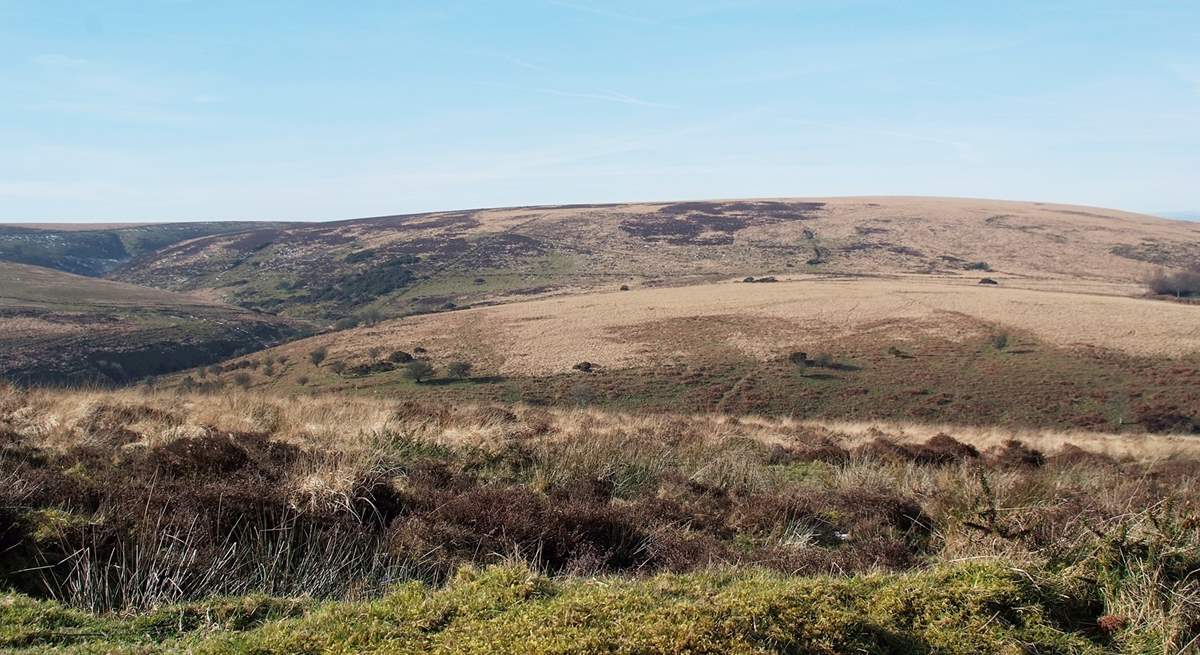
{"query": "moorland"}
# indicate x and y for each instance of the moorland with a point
(819, 425)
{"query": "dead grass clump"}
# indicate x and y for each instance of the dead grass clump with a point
(1071, 455)
(1015, 454)
(942, 448)
(496, 522)
(110, 422)
(823, 449)
(216, 453)
(860, 529)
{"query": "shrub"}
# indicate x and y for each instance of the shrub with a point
(418, 370)
(374, 351)
(799, 358)
(586, 367)
(1181, 284)
(824, 360)
(400, 357)
(338, 366)
(624, 287)
(345, 323)
(1000, 340)
(242, 379)
(317, 356)
(302, 380)
(988, 280)
(369, 316)
(979, 266)
(459, 370)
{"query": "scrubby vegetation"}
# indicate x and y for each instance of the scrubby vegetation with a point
(428, 527)
(1180, 284)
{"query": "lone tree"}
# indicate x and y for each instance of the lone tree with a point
(418, 370)
(459, 370)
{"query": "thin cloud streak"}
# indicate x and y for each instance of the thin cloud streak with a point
(609, 97)
(597, 11)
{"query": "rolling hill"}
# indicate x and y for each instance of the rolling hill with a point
(94, 250)
(60, 328)
(1021, 352)
(399, 265)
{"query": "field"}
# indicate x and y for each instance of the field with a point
(249, 523)
(59, 328)
(1022, 353)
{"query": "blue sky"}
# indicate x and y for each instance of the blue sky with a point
(177, 110)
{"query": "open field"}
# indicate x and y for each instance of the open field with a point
(60, 328)
(338, 521)
(1019, 354)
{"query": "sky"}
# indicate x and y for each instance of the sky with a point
(122, 110)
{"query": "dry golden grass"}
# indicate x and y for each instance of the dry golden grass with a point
(648, 326)
(349, 425)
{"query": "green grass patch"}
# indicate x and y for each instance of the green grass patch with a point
(953, 609)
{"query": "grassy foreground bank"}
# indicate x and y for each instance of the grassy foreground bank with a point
(966, 608)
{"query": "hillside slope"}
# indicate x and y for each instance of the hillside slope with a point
(94, 250)
(398, 265)
(56, 327)
(1024, 352)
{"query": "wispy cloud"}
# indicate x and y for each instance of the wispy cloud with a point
(609, 96)
(74, 85)
(602, 96)
(56, 60)
(519, 62)
(965, 149)
(601, 11)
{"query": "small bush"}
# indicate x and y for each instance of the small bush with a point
(1000, 340)
(979, 266)
(369, 316)
(624, 287)
(338, 366)
(317, 356)
(586, 367)
(459, 370)
(418, 370)
(400, 357)
(302, 380)
(345, 323)
(241, 379)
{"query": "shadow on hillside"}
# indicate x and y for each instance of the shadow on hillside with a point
(483, 379)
